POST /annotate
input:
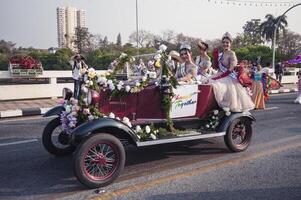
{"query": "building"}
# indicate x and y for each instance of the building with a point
(67, 20)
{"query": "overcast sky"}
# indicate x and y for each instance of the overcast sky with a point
(33, 22)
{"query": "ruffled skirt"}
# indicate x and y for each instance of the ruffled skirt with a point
(229, 93)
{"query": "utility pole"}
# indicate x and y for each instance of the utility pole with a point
(137, 29)
(275, 31)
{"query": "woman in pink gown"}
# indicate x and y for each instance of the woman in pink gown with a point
(229, 93)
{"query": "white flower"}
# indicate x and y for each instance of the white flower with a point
(91, 83)
(157, 57)
(226, 109)
(125, 120)
(85, 101)
(110, 82)
(156, 83)
(228, 113)
(137, 84)
(138, 129)
(112, 87)
(91, 70)
(71, 125)
(68, 109)
(84, 89)
(102, 79)
(127, 88)
(121, 83)
(139, 137)
(159, 52)
(105, 116)
(85, 78)
(207, 126)
(144, 78)
(123, 55)
(118, 118)
(215, 112)
(129, 124)
(147, 129)
(119, 87)
(112, 115)
(153, 136)
(163, 47)
(90, 117)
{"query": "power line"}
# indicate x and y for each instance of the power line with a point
(259, 3)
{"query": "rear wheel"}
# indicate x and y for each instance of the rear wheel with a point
(239, 134)
(99, 160)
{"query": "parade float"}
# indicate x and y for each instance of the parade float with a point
(24, 66)
(142, 111)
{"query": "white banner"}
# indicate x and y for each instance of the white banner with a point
(184, 102)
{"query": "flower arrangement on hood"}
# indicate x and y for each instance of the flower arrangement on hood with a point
(148, 132)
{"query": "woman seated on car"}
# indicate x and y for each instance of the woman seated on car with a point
(187, 70)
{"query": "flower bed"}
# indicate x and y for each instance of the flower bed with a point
(25, 66)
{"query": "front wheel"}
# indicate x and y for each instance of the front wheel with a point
(55, 140)
(99, 160)
(239, 134)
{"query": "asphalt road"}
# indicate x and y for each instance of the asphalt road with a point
(269, 169)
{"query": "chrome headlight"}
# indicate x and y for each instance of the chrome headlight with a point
(67, 93)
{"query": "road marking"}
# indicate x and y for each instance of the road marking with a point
(18, 142)
(11, 113)
(271, 108)
(197, 171)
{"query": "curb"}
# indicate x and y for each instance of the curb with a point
(283, 91)
(23, 112)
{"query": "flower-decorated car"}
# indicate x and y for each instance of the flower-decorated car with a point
(145, 111)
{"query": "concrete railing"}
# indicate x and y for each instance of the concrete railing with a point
(52, 89)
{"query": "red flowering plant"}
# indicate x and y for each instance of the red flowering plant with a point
(24, 62)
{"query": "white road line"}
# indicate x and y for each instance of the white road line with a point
(271, 108)
(18, 142)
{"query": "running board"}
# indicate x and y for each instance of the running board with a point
(180, 139)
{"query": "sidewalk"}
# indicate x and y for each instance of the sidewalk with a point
(40, 106)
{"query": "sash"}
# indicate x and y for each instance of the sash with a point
(223, 68)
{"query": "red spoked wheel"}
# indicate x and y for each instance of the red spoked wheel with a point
(99, 160)
(239, 134)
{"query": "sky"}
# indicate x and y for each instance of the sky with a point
(33, 22)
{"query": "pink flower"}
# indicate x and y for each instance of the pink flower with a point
(61, 101)
(86, 111)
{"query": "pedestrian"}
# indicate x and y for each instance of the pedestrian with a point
(279, 71)
(77, 63)
(298, 99)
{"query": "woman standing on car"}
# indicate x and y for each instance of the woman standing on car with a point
(187, 70)
(229, 93)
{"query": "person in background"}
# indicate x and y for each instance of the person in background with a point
(77, 63)
(174, 61)
(298, 99)
(279, 71)
(187, 70)
(140, 69)
(257, 89)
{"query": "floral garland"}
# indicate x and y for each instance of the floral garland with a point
(213, 119)
(167, 84)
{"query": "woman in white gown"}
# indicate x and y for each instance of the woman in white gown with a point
(229, 93)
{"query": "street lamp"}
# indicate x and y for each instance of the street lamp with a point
(275, 31)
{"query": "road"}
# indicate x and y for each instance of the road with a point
(269, 169)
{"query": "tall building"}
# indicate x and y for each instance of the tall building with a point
(67, 20)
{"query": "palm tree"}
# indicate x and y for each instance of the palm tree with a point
(267, 27)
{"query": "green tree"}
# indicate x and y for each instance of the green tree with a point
(268, 26)
(82, 40)
(119, 43)
(6, 47)
(3, 62)
(289, 43)
(252, 32)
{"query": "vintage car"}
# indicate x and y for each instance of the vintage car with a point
(99, 155)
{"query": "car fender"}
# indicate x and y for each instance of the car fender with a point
(54, 111)
(104, 125)
(225, 123)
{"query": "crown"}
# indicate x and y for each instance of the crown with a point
(227, 35)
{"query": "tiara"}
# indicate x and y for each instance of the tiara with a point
(227, 35)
